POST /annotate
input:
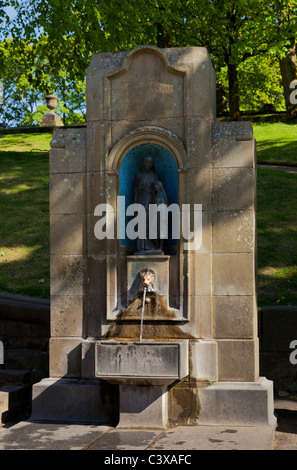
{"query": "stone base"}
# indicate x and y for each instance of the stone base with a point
(75, 401)
(141, 362)
(51, 119)
(143, 406)
(238, 404)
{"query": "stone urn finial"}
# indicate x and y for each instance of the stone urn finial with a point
(51, 119)
(51, 102)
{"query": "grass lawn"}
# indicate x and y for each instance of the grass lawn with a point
(24, 217)
(277, 238)
(24, 214)
(276, 142)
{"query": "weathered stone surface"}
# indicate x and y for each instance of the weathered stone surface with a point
(101, 189)
(68, 193)
(206, 317)
(152, 362)
(99, 141)
(233, 274)
(165, 71)
(51, 119)
(68, 152)
(97, 282)
(234, 316)
(143, 406)
(13, 400)
(96, 316)
(242, 129)
(106, 246)
(198, 141)
(183, 404)
(202, 99)
(200, 274)
(74, 400)
(147, 89)
(204, 360)
(241, 404)
(68, 234)
(100, 67)
(67, 274)
(231, 152)
(198, 188)
(67, 315)
(119, 128)
(233, 231)
(65, 357)
(238, 360)
(233, 189)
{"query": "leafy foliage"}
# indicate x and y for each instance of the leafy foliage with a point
(27, 77)
(53, 41)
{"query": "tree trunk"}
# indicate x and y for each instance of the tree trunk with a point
(221, 99)
(288, 67)
(163, 39)
(233, 92)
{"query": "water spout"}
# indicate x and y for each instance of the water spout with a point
(147, 277)
(142, 314)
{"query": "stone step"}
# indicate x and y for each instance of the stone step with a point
(14, 400)
(34, 361)
(14, 377)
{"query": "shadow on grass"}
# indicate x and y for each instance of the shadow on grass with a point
(274, 152)
(24, 223)
(276, 238)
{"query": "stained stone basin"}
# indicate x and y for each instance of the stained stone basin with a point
(145, 362)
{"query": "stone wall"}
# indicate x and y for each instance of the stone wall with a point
(277, 329)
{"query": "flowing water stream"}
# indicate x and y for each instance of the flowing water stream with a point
(142, 313)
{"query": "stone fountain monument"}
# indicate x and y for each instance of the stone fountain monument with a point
(153, 330)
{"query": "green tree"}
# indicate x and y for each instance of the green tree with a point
(19, 97)
(3, 12)
(72, 30)
(260, 83)
(65, 34)
(284, 14)
(232, 31)
(26, 79)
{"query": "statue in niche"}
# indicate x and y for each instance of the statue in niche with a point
(147, 190)
(160, 197)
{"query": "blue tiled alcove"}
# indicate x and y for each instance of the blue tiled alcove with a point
(165, 167)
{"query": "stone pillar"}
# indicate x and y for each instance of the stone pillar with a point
(68, 394)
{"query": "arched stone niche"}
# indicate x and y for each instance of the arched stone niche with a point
(123, 163)
(169, 156)
(166, 169)
(147, 134)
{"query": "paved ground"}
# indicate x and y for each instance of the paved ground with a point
(286, 432)
(26, 435)
(40, 436)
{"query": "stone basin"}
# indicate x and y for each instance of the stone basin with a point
(141, 362)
